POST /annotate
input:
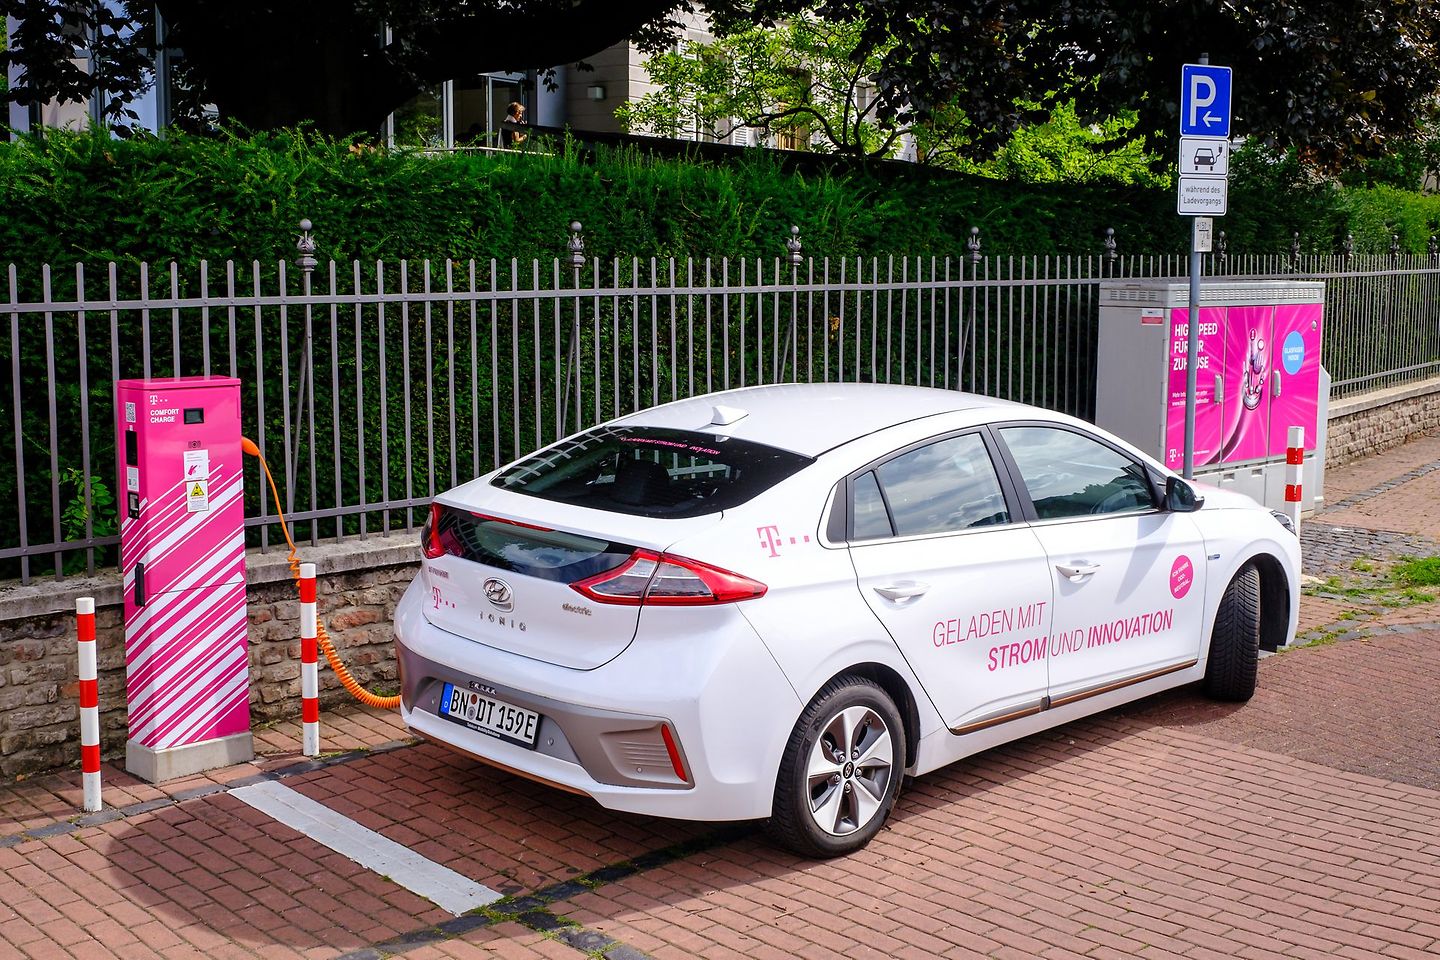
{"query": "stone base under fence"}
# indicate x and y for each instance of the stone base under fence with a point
(1367, 424)
(360, 581)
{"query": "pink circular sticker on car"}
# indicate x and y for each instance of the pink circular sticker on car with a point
(1182, 574)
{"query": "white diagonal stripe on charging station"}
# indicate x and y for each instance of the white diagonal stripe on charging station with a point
(439, 884)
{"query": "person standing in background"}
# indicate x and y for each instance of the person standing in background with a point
(511, 134)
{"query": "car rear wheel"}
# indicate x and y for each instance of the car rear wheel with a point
(1230, 673)
(841, 770)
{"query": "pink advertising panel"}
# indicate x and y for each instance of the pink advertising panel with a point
(1249, 361)
(1296, 338)
(1209, 354)
(182, 559)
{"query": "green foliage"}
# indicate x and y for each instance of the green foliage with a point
(83, 198)
(93, 515)
(76, 197)
(1060, 149)
(1273, 196)
(803, 82)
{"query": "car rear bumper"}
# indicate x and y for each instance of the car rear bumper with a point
(728, 708)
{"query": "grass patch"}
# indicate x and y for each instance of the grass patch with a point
(1417, 571)
(1403, 597)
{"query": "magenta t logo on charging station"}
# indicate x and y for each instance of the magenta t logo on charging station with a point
(1182, 575)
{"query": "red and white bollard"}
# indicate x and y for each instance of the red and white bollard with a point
(1294, 464)
(309, 664)
(89, 703)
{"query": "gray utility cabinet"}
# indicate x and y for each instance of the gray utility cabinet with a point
(1259, 373)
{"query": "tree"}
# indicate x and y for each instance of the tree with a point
(803, 77)
(342, 65)
(1333, 78)
(803, 81)
(60, 33)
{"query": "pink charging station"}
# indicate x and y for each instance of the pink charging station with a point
(1258, 373)
(182, 561)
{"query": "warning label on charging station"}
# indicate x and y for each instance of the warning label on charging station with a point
(197, 496)
(197, 481)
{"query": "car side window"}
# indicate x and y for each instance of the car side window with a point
(1071, 475)
(942, 487)
(872, 520)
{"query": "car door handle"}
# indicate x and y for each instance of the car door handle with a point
(903, 591)
(1075, 572)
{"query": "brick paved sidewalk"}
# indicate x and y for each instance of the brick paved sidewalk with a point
(1381, 510)
(38, 802)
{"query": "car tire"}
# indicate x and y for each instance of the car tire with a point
(824, 812)
(1230, 672)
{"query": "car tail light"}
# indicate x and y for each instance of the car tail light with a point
(430, 535)
(661, 579)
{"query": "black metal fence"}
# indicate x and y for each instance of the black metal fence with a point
(373, 386)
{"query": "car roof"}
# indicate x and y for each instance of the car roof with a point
(811, 418)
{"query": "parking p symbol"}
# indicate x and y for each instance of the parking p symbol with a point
(1202, 95)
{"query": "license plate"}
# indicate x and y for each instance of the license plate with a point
(488, 715)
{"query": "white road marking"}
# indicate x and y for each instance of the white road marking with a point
(442, 886)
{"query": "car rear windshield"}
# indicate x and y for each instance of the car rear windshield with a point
(533, 551)
(651, 472)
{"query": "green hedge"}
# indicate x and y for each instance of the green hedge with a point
(70, 198)
(79, 198)
(86, 198)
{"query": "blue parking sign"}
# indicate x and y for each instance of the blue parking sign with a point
(1204, 101)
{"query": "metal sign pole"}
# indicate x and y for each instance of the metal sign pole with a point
(1192, 347)
(1203, 92)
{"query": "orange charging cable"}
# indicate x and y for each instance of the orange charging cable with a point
(350, 683)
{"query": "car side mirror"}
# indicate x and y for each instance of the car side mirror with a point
(1180, 497)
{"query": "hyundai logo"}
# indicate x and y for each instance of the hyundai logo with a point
(498, 593)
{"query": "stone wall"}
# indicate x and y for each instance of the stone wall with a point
(359, 584)
(1365, 425)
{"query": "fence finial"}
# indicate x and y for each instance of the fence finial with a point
(305, 243)
(1394, 246)
(1295, 246)
(1434, 247)
(1110, 252)
(1347, 246)
(1221, 244)
(576, 246)
(797, 250)
(973, 244)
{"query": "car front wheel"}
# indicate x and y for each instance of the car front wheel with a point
(1230, 673)
(841, 770)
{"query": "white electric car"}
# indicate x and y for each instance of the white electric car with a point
(776, 602)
